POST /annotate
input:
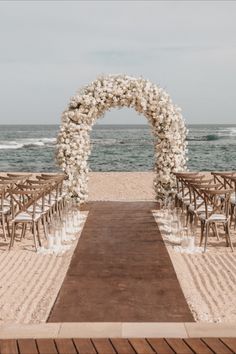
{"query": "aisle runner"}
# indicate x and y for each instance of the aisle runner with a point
(120, 271)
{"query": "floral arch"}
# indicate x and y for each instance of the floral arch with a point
(91, 103)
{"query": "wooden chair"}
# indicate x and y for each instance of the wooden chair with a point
(196, 205)
(224, 178)
(228, 180)
(6, 205)
(27, 211)
(182, 196)
(5, 211)
(219, 214)
(57, 196)
(233, 202)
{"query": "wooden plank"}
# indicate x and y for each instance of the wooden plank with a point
(122, 346)
(46, 346)
(84, 346)
(27, 346)
(160, 346)
(8, 346)
(103, 346)
(198, 346)
(65, 346)
(179, 346)
(230, 342)
(217, 346)
(141, 346)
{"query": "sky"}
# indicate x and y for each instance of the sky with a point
(49, 49)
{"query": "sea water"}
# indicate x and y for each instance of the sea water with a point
(115, 148)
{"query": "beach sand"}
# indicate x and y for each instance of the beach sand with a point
(29, 282)
(207, 279)
(126, 186)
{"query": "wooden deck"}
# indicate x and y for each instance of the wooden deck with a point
(121, 270)
(119, 346)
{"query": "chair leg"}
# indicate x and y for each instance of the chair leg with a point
(202, 233)
(44, 226)
(38, 234)
(215, 230)
(231, 214)
(60, 211)
(34, 235)
(12, 236)
(23, 231)
(8, 228)
(226, 234)
(176, 202)
(187, 217)
(4, 227)
(206, 237)
(228, 237)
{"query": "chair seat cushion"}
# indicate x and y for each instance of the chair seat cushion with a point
(200, 209)
(213, 217)
(233, 200)
(24, 217)
(5, 210)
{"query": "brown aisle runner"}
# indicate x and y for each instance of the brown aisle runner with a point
(120, 270)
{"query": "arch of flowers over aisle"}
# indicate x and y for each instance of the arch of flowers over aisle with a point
(92, 101)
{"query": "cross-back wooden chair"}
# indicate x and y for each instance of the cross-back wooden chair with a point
(187, 200)
(57, 197)
(182, 196)
(6, 205)
(224, 178)
(233, 202)
(219, 213)
(48, 187)
(26, 212)
(5, 211)
(195, 205)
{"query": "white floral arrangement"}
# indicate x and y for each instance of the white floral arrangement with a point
(107, 92)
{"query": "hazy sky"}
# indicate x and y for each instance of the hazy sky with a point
(48, 49)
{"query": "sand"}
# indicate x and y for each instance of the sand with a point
(126, 186)
(29, 282)
(207, 279)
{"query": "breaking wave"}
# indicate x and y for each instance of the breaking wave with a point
(27, 143)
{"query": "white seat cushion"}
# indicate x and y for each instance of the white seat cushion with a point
(5, 210)
(200, 209)
(233, 200)
(23, 217)
(213, 217)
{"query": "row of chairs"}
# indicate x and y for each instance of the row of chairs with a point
(208, 198)
(27, 199)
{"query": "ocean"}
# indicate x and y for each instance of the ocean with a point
(115, 148)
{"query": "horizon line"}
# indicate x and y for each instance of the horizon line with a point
(101, 124)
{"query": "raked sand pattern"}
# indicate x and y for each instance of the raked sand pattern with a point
(208, 283)
(30, 282)
(207, 280)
